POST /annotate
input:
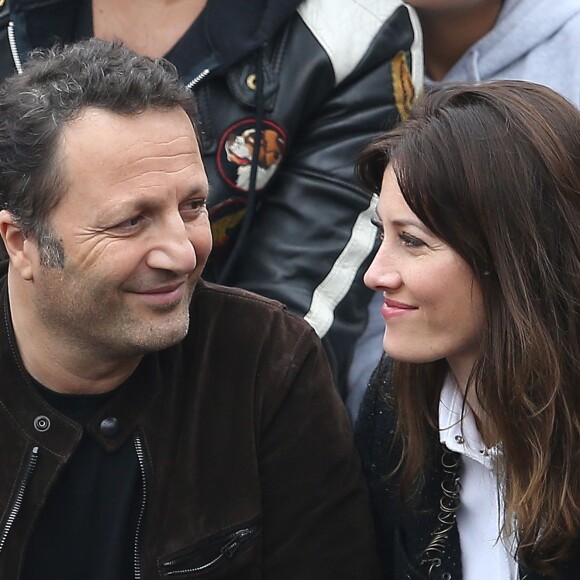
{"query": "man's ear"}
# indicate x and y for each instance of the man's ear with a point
(18, 246)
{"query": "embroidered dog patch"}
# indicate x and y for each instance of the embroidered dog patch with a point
(238, 147)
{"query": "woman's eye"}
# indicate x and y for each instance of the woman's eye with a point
(410, 241)
(380, 232)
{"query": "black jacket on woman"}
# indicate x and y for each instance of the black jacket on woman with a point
(406, 529)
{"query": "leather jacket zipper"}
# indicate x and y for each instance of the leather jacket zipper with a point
(15, 507)
(230, 547)
(198, 78)
(14, 48)
(206, 67)
(137, 546)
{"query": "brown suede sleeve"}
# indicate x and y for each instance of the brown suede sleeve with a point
(317, 522)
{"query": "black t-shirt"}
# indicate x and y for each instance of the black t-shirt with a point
(87, 527)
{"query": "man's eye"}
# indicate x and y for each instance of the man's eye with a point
(192, 207)
(410, 241)
(130, 224)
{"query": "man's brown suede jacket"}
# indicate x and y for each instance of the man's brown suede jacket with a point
(245, 448)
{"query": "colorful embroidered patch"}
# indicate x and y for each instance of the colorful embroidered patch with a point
(403, 88)
(236, 152)
(225, 218)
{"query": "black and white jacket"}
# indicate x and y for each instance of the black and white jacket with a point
(317, 80)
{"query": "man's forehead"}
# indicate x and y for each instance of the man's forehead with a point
(103, 136)
(107, 155)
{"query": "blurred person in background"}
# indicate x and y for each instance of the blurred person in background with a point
(287, 94)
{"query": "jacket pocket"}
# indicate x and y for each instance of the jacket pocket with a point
(208, 555)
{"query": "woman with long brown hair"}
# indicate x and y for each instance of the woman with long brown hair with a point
(470, 431)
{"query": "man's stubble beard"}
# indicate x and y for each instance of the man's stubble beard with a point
(84, 316)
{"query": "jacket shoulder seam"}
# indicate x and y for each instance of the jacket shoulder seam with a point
(330, 26)
(241, 294)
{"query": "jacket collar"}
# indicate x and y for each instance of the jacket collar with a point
(235, 33)
(39, 23)
(23, 403)
(20, 399)
(231, 34)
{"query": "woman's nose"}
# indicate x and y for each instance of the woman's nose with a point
(383, 273)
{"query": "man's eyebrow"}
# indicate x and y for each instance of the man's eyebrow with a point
(196, 191)
(127, 207)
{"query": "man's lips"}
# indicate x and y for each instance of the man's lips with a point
(393, 308)
(163, 289)
(165, 294)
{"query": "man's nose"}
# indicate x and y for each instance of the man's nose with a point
(172, 248)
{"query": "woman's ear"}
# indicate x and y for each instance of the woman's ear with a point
(18, 246)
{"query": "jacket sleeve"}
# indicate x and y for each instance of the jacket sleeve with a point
(311, 239)
(373, 437)
(316, 517)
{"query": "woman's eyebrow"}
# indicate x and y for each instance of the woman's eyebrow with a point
(408, 222)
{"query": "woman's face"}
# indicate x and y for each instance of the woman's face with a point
(432, 306)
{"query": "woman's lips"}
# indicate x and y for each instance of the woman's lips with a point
(394, 309)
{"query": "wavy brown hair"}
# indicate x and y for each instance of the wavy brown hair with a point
(494, 171)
